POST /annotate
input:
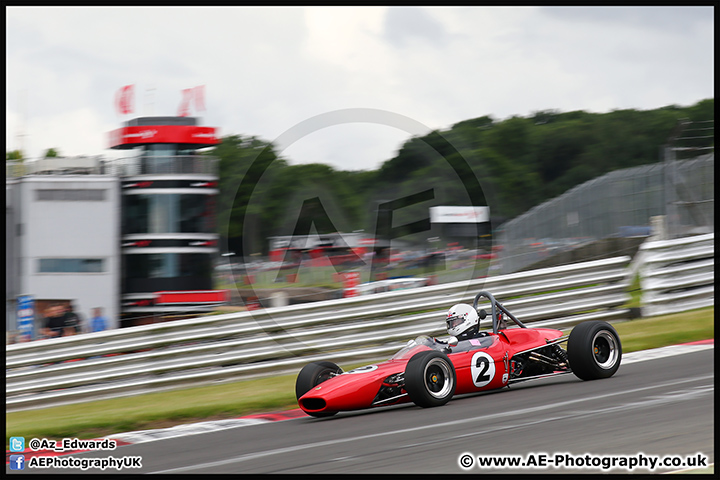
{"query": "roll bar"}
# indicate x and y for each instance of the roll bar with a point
(494, 307)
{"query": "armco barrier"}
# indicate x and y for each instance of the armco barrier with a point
(229, 347)
(677, 275)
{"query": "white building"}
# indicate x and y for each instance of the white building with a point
(135, 236)
(62, 235)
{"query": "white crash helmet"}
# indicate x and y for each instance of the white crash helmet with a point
(461, 318)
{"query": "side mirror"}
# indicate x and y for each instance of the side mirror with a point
(453, 341)
(482, 314)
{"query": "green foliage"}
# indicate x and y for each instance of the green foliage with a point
(261, 194)
(51, 153)
(518, 162)
(14, 155)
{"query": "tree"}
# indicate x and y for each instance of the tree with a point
(243, 162)
(51, 153)
(14, 155)
(520, 162)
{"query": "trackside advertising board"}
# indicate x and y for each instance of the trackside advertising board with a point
(447, 214)
(25, 316)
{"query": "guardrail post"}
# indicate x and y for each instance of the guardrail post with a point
(677, 275)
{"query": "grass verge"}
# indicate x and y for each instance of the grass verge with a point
(231, 400)
(664, 330)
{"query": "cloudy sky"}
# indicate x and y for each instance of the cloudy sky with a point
(342, 86)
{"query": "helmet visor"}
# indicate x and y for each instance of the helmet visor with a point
(453, 322)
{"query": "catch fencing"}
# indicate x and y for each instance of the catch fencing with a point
(229, 347)
(617, 204)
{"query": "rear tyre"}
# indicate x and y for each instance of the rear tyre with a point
(594, 350)
(430, 379)
(312, 375)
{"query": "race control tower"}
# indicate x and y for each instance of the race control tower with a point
(169, 239)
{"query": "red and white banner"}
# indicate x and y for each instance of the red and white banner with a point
(194, 95)
(124, 99)
(199, 97)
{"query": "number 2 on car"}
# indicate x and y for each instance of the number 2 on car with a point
(482, 368)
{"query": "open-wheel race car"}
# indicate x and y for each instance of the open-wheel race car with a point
(429, 371)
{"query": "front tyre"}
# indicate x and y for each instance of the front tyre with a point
(594, 350)
(313, 374)
(430, 379)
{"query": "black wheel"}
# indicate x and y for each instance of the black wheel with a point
(594, 350)
(311, 376)
(430, 379)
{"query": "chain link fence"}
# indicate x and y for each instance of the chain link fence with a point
(618, 204)
(690, 179)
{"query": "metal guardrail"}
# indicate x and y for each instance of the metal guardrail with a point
(273, 341)
(162, 165)
(129, 166)
(677, 275)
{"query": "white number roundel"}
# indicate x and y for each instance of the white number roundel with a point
(482, 369)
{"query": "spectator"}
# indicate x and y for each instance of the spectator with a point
(98, 322)
(54, 321)
(72, 320)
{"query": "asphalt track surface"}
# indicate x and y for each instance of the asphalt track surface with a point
(656, 407)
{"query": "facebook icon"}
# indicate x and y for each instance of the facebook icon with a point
(17, 462)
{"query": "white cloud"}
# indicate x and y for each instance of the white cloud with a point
(64, 132)
(345, 37)
(266, 70)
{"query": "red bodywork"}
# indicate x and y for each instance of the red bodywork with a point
(483, 365)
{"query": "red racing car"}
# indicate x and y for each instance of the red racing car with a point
(429, 371)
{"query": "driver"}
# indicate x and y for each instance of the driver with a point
(463, 321)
